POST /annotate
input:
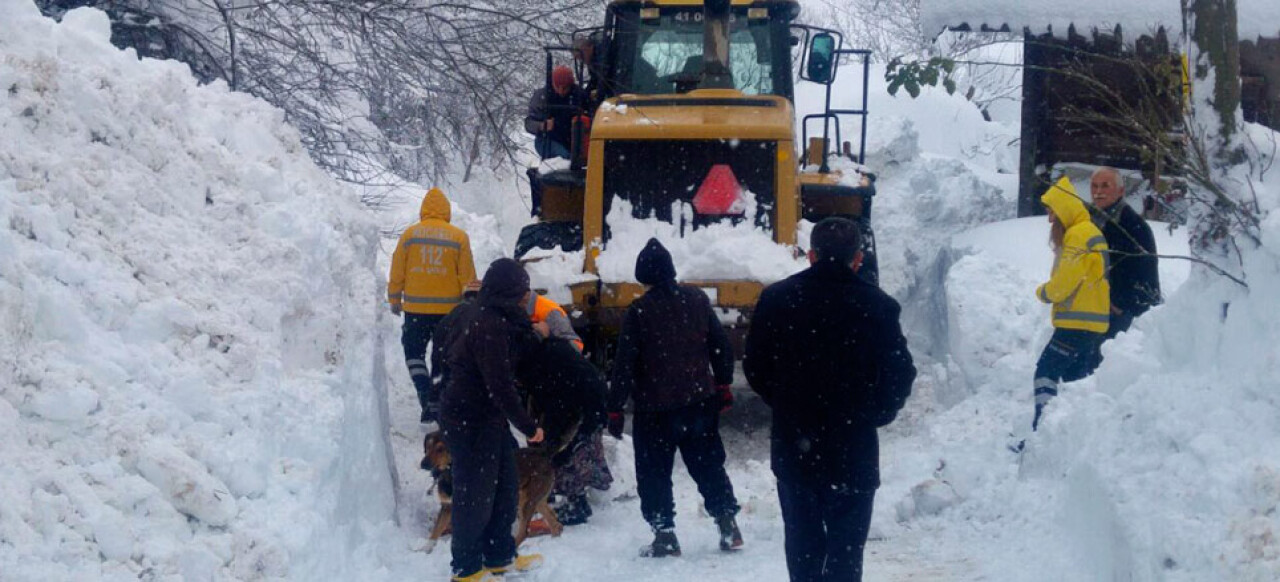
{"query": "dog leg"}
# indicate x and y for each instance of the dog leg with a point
(443, 521)
(549, 514)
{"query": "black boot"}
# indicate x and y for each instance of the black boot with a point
(535, 192)
(730, 536)
(664, 544)
(575, 510)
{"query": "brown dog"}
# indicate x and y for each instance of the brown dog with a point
(435, 458)
(537, 476)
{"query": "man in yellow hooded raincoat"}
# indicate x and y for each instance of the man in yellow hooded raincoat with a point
(430, 267)
(1079, 292)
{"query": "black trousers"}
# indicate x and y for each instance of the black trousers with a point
(485, 495)
(415, 336)
(1119, 324)
(695, 431)
(826, 531)
(1072, 354)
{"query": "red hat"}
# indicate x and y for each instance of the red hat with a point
(562, 76)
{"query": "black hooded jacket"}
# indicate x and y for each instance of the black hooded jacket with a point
(565, 387)
(826, 352)
(1133, 269)
(671, 342)
(483, 348)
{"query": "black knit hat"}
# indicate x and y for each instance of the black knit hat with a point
(654, 266)
(505, 283)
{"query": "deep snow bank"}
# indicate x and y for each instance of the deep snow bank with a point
(1165, 465)
(188, 387)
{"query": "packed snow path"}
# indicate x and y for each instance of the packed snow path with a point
(607, 546)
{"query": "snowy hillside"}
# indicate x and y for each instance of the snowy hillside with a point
(188, 388)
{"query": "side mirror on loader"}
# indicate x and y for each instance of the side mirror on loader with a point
(822, 50)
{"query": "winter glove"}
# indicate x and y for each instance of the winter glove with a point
(726, 398)
(616, 422)
(395, 309)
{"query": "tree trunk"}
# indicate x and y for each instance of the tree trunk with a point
(1213, 30)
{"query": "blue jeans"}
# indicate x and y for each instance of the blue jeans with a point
(548, 148)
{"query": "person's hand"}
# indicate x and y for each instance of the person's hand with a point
(537, 437)
(616, 422)
(549, 124)
(1116, 310)
(726, 397)
(544, 330)
(395, 309)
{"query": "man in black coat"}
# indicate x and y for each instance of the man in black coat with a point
(675, 360)
(568, 394)
(826, 352)
(1133, 269)
(475, 407)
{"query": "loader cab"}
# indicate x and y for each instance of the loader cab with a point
(657, 50)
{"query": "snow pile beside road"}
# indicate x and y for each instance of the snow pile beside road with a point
(188, 387)
(1165, 465)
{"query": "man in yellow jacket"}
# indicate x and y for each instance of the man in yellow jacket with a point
(1079, 292)
(430, 267)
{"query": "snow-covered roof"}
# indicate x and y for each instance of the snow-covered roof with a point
(1255, 17)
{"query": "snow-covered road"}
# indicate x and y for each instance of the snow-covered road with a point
(607, 546)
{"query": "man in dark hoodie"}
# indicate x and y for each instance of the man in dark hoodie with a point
(825, 351)
(475, 407)
(569, 393)
(674, 359)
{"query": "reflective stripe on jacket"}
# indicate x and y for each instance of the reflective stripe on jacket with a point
(542, 309)
(1078, 287)
(432, 261)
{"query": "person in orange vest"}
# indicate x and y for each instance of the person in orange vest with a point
(548, 313)
(568, 381)
(430, 267)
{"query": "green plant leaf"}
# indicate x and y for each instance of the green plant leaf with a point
(894, 85)
(913, 88)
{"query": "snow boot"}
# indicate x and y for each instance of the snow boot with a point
(522, 563)
(481, 576)
(730, 536)
(664, 544)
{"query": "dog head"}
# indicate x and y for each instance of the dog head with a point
(435, 455)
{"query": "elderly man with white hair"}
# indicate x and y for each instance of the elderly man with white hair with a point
(1132, 266)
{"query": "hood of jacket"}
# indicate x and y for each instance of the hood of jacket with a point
(435, 206)
(1061, 198)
